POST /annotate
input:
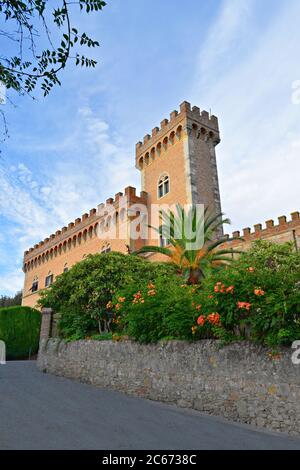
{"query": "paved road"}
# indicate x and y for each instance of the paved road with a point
(40, 411)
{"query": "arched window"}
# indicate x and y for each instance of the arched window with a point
(163, 186)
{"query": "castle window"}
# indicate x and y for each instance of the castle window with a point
(49, 280)
(106, 249)
(163, 186)
(35, 285)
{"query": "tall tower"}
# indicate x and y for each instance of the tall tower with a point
(178, 161)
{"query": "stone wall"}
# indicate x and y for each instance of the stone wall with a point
(239, 381)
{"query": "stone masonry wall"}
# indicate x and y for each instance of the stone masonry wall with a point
(239, 381)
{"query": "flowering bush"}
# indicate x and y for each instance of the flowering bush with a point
(257, 298)
(83, 295)
(156, 310)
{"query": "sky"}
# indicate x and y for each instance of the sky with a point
(74, 149)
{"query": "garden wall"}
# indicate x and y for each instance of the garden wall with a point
(240, 381)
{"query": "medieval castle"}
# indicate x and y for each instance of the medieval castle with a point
(178, 164)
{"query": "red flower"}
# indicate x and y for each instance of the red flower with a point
(244, 305)
(259, 292)
(214, 318)
(201, 320)
(198, 307)
(230, 289)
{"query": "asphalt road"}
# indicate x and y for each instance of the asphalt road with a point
(40, 411)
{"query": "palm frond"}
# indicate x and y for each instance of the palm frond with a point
(154, 249)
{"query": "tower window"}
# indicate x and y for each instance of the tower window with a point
(163, 186)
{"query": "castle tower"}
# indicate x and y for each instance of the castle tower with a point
(178, 161)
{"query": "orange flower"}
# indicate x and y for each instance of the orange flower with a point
(151, 286)
(230, 289)
(214, 318)
(259, 292)
(216, 288)
(121, 299)
(109, 305)
(201, 320)
(251, 269)
(118, 306)
(198, 307)
(152, 292)
(210, 296)
(194, 329)
(244, 305)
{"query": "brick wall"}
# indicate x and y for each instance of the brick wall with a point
(284, 231)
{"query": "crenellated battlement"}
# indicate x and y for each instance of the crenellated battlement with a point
(87, 223)
(289, 228)
(170, 130)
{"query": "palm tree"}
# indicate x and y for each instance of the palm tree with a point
(191, 261)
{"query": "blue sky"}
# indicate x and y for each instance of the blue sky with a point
(72, 150)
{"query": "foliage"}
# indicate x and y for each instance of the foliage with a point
(257, 297)
(103, 337)
(6, 301)
(81, 295)
(31, 64)
(194, 240)
(148, 312)
(20, 330)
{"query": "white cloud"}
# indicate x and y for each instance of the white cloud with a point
(95, 167)
(258, 157)
(224, 34)
(11, 282)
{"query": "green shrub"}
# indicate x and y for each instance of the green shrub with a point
(81, 295)
(148, 312)
(20, 330)
(256, 298)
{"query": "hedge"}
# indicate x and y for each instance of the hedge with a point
(20, 330)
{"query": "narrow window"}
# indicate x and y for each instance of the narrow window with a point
(35, 286)
(49, 280)
(106, 249)
(163, 186)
